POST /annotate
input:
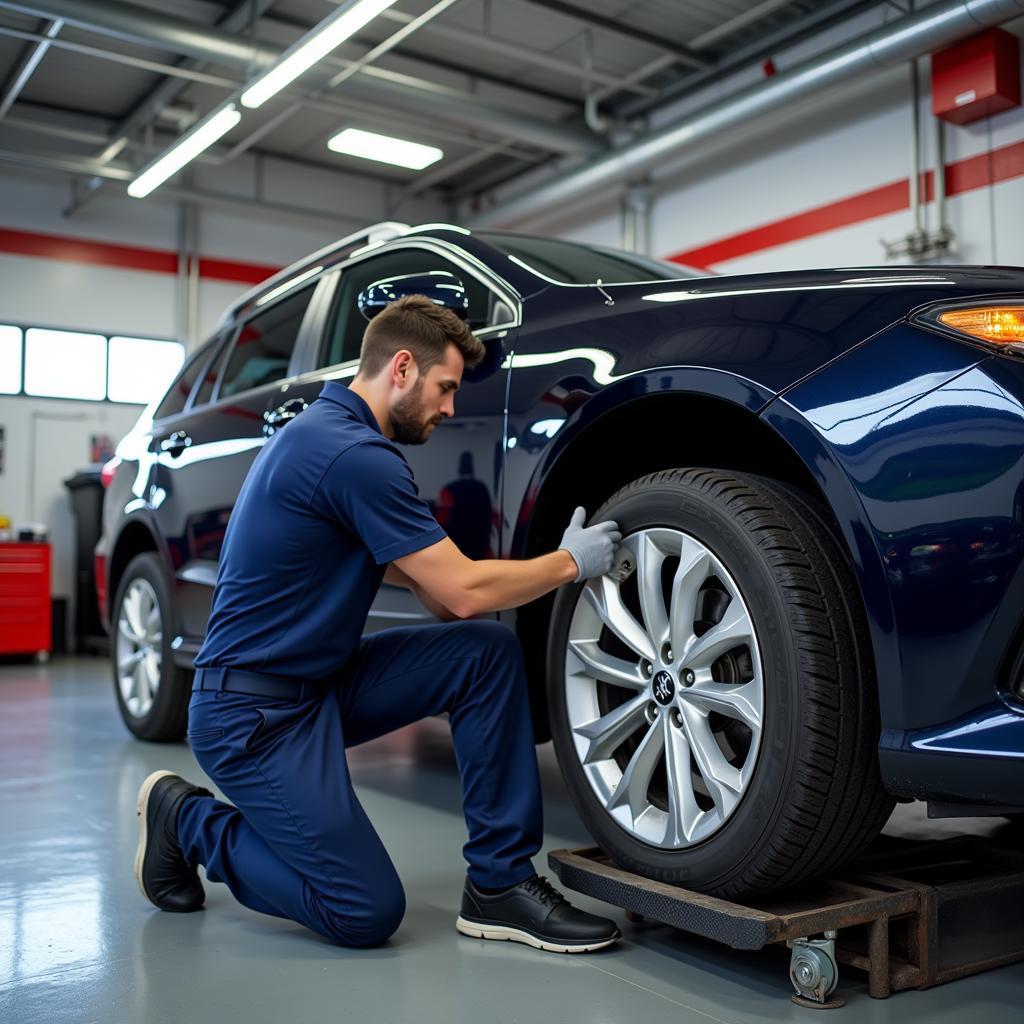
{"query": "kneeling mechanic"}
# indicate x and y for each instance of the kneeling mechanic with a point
(285, 681)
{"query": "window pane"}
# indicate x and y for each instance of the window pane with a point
(141, 368)
(10, 359)
(210, 377)
(177, 395)
(65, 364)
(264, 345)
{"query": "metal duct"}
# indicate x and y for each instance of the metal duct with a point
(372, 85)
(936, 26)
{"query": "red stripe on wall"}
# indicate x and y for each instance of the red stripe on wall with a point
(79, 250)
(128, 257)
(963, 176)
(226, 270)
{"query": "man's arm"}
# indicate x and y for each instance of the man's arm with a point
(469, 587)
(394, 575)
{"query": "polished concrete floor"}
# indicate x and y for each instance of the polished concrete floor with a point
(79, 944)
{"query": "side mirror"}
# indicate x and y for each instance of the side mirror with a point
(439, 286)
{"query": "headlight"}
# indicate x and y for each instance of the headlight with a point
(998, 325)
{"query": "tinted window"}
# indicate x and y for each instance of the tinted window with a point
(264, 345)
(573, 263)
(177, 395)
(345, 334)
(210, 371)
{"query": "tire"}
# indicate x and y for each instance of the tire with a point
(152, 692)
(767, 729)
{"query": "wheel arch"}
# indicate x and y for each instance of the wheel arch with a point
(709, 430)
(136, 538)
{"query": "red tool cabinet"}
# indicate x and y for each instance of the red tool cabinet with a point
(24, 598)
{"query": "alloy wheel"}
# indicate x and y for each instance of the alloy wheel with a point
(665, 689)
(139, 647)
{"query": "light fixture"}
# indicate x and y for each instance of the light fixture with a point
(384, 148)
(349, 18)
(187, 148)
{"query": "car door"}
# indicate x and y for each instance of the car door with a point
(204, 453)
(459, 469)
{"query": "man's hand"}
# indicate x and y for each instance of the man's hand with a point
(392, 574)
(592, 547)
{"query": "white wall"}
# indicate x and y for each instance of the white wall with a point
(48, 440)
(824, 149)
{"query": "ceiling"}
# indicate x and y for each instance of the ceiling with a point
(500, 85)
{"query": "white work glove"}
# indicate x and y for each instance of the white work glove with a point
(592, 547)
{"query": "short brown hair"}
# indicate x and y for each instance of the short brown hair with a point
(416, 323)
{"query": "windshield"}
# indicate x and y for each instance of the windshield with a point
(574, 263)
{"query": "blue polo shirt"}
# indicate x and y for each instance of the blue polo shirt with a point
(327, 503)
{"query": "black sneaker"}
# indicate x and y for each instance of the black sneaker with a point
(536, 913)
(166, 879)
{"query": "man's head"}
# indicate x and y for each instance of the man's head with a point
(411, 361)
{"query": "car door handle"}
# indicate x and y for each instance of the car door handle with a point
(176, 443)
(274, 419)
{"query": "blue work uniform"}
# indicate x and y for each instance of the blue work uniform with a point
(285, 682)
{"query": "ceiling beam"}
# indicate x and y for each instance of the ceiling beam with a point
(684, 54)
(33, 54)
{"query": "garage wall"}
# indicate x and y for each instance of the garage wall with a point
(48, 440)
(824, 161)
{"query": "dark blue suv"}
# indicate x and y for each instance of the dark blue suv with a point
(818, 603)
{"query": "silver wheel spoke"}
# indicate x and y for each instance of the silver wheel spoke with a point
(734, 630)
(724, 782)
(683, 811)
(133, 612)
(694, 565)
(124, 627)
(606, 734)
(652, 600)
(607, 667)
(739, 700)
(129, 663)
(631, 791)
(604, 597)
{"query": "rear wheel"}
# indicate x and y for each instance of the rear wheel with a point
(712, 699)
(151, 691)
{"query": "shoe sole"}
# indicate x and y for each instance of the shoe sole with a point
(140, 854)
(503, 933)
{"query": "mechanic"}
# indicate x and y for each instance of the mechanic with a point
(285, 682)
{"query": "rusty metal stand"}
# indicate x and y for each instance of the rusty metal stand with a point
(911, 914)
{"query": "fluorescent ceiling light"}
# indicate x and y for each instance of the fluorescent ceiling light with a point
(187, 148)
(371, 146)
(349, 18)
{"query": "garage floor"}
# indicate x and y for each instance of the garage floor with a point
(78, 942)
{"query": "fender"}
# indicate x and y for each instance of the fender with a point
(586, 410)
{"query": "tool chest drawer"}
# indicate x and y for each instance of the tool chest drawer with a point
(24, 598)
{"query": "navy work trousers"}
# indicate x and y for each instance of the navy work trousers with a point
(297, 843)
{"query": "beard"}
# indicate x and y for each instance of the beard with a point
(407, 420)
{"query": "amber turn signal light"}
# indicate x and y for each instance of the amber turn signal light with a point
(1001, 326)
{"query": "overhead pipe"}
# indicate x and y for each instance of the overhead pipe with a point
(373, 85)
(935, 27)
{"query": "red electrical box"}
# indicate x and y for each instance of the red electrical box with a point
(976, 77)
(24, 598)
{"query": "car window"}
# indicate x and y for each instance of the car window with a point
(346, 324)
(211, 371)
(574, 263)
(177, 394)
(263, 346)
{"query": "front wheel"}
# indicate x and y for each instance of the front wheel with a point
(712, 699)
(151, 691)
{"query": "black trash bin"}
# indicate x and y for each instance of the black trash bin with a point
(86, 490)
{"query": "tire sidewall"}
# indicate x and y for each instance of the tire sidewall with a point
(681, 505)
(161, 722)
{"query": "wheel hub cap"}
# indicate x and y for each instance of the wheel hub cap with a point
(138, 647)
(664, 689)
